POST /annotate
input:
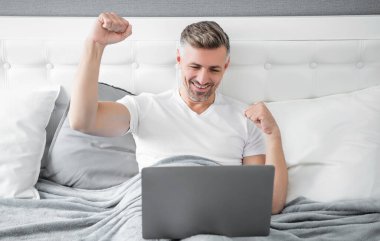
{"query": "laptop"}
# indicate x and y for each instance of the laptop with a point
(182, 201)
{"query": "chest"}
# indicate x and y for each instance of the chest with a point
(181, 131)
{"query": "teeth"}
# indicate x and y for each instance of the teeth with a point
(200, 86)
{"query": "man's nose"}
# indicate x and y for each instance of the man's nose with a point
(203, 76)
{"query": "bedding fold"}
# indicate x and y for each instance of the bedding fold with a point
(65, 213)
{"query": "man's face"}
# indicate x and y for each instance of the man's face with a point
(202, 71)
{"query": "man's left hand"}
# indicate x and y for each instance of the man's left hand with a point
(259, 114)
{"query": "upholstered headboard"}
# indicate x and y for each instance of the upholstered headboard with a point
(272, 58)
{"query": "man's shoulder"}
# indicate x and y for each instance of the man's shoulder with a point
(155, 97)
(230, 101)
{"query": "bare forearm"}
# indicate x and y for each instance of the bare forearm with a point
(84, 98)
(275, 157)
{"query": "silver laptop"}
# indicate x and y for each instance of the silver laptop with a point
(182, 201)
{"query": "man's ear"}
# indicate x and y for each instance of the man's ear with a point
(227, 63)
(178, 56)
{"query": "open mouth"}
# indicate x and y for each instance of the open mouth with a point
(199, 87)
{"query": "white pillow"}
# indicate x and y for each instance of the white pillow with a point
(24, 114)
(332, 145)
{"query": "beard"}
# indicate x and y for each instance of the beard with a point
(197, 94)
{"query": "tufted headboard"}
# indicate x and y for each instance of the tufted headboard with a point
(272, 58)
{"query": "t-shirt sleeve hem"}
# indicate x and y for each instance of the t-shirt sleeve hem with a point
(129, 102)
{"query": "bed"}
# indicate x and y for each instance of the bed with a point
(320, 77)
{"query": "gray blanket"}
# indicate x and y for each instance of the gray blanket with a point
(115, 214)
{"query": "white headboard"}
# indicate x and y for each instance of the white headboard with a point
(272, 58)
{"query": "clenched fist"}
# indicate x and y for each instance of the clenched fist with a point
(110, 28)
(259, 114)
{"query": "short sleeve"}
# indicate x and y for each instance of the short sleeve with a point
(130, 102)
(255, 144)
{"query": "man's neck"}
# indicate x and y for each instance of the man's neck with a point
(197, 107)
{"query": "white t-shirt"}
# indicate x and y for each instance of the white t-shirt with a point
(164, 126)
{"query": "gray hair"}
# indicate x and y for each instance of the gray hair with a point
(206, 35)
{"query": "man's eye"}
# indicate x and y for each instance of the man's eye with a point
(194, 67)
(215, 70)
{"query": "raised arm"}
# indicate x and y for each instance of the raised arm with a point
(86, 114)
(263, 119)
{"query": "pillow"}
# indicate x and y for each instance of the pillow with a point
(332, 145)
(85, 161)
(24, 116)
(55, 118)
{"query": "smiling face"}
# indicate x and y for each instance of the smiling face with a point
(202, 71)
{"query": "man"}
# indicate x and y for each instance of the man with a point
(194, 120)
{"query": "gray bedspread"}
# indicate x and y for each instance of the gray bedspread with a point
(115, 214)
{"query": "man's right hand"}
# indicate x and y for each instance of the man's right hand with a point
(110, 28)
